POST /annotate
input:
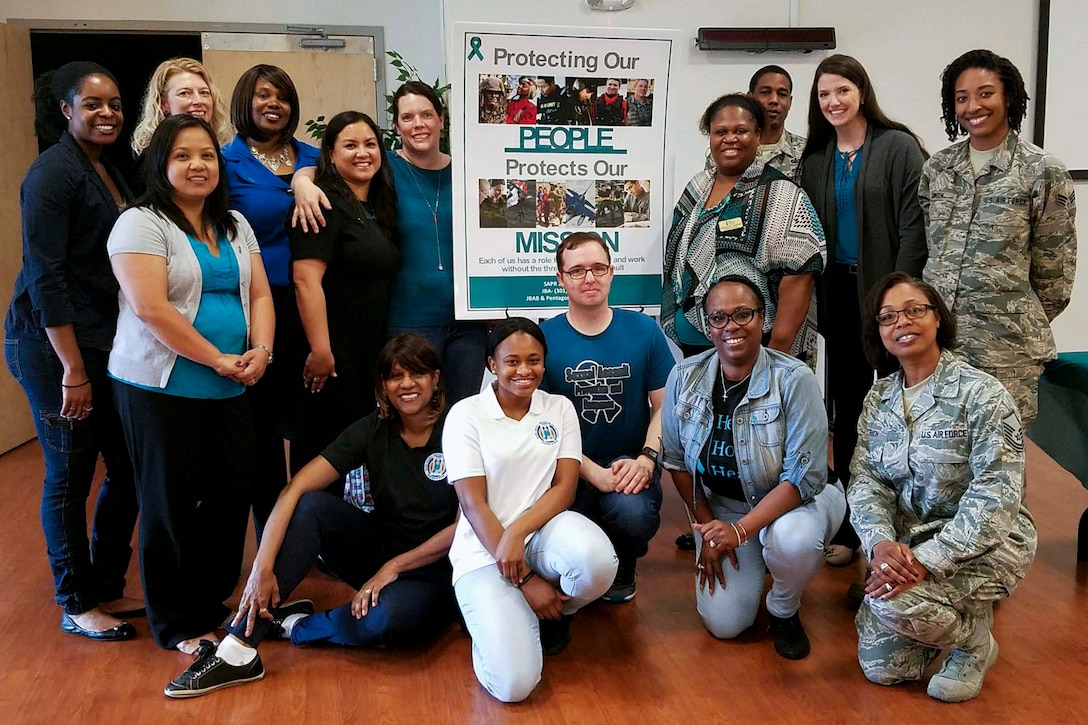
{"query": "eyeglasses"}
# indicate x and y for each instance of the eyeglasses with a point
(741, 316)
(914, 312)
(598, 270)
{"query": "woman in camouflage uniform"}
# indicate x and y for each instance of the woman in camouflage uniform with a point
(1000, 222)
(936, 498)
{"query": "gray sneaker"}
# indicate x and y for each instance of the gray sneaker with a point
(961, 675)
(623, 586)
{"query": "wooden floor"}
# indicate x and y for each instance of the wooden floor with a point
(649, 661)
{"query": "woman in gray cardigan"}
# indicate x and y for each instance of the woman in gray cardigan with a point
(861, 170)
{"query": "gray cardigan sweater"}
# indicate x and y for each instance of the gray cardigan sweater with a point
(891, 230)
(137, 355)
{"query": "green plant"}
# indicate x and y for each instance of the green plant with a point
(390, 139)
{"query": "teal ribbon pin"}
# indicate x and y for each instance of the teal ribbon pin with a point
(475, 52)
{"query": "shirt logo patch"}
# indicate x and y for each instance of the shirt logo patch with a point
(943, 435)
(546, 433)
(435, 467)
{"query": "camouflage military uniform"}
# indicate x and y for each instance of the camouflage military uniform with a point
(784, 155)
(947, 480)
(1002, 254)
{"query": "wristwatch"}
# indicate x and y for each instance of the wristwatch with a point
(649, 453)
(267, 349)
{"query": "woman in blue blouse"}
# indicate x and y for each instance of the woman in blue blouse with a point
(861, 170)
(261, 161)
(195, 328)
(57, 338)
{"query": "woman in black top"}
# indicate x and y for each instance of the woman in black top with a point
(342, 278)
(395, 555)
(58, 333)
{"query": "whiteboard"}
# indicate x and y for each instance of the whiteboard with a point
(1064, 133)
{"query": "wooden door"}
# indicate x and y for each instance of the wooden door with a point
(21, 148)
(328, 81)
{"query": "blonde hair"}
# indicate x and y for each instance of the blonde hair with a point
(151, 113)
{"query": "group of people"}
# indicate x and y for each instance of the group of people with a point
(144, 328)
(541, 100)
(856, 229)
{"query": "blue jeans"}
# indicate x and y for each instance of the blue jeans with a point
(83, 575)
(629, 520)
(414, 609)
(791, 549)
(461, 347)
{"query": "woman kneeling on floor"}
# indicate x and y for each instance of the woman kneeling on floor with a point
(744, 435)
(936, 497)
(395, 556)
(522, 563)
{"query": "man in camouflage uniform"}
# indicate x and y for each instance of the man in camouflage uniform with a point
(772, 86)
(1002, 255)
(946, 480)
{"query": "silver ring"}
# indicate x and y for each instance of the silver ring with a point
(701, 567)
(884, 566)
(713, 545)
(366, 591)
(887, 586)
(88, 409)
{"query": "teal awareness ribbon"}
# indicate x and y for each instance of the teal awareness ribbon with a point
(475, 52)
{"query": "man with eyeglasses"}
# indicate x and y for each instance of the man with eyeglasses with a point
(613, 365)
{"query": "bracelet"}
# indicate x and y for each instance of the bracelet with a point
(741, 541)
(528, 576)
(745, 533)
(85, 382)
(267, 349)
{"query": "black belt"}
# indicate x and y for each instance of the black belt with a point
(849, 268)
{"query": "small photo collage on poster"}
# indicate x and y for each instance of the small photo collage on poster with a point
(565, 100)
(564, 204)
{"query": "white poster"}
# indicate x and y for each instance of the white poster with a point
(562, 130)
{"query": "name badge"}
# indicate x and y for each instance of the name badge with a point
(728, 225)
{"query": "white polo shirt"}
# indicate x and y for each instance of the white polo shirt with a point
(518, 458)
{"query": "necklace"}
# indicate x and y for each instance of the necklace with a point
(432, 209)
(273, 162)
(734, 386)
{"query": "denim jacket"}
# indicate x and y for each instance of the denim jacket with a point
(780, 426)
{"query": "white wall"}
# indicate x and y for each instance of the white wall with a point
(412, 27)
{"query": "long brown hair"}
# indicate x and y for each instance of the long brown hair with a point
(820, 130)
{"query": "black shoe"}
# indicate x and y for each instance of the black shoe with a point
(623, 586)
(790, 640)
(555, 635)
(855, 595)
(685, 542)
(210, 673)
(282, 612)
(120, 633)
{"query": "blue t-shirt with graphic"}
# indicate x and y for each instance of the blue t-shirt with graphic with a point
(608, 377)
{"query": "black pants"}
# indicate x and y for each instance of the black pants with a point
(414, 609)
(849, 376)
(274, 402)
(192, 462)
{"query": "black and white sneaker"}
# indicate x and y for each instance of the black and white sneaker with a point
(299, 607)
(210, 673)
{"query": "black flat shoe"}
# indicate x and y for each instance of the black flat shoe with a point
(120, 633)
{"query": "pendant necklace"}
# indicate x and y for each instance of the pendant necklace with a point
(273, 162)
(727, 390)
(432, 209)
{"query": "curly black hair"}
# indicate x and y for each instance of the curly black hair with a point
(1016, 95)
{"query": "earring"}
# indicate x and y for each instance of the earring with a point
(434, 400)
(68, 117)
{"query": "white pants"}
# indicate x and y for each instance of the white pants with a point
(791, 548)
(570, 552)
